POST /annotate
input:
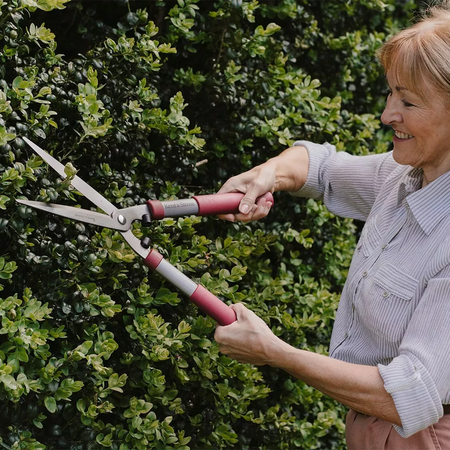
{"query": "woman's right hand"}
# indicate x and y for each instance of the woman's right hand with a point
(253, 184)
(286, 172)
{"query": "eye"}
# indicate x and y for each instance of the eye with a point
(407, 104)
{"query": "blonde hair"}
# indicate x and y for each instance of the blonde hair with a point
(419, 56)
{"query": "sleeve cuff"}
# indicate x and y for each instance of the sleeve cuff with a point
(414, 393)
(314, 188)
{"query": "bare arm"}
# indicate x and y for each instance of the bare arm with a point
(286, 172)
(356, 386)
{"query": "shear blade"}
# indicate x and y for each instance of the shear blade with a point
(89, 216)
(82, 215)
(88, 191)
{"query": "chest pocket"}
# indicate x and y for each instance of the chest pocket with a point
(387, 306)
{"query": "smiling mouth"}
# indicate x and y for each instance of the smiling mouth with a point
(400, 135)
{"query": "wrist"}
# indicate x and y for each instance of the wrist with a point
(280, 354)
(290, 169)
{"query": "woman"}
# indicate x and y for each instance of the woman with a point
(389, 360)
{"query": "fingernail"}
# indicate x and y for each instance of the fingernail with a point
(244, 209)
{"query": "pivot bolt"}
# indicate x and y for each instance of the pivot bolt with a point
(121, 219)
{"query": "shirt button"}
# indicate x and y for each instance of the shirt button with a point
(383, 247)
(365, 274)
(346, 335)
(385, 294)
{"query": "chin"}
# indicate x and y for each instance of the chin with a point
(399, 158)
(402, 157)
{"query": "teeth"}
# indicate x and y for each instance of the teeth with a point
(403, 135)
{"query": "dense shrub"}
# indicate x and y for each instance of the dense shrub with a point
(165, 100)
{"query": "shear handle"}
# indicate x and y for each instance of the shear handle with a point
(200, 205)
(197, 294)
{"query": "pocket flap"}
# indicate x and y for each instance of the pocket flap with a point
(396, 282)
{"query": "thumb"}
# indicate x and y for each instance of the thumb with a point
(248, 201)
(246, 205)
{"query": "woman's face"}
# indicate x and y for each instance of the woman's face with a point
(421, 131)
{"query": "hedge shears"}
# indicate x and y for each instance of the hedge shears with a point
(122, 219)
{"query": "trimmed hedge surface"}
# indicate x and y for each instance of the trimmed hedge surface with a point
(165, 100)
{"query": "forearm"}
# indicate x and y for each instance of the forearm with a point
(290, 168)
(359, 387)
(356, 386)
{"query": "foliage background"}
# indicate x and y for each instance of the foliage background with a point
(167, 99)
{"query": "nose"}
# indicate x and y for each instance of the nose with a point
(391, 113)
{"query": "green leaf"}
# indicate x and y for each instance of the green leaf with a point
(9, 381)
(49, 5)
(50, 404)
(40, 34)
(5, 137)
(70, 170)
(21, 354)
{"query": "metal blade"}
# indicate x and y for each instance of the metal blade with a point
(76, 182)
(93, 218)
(97, 199)
(79, 214)
(135, 243)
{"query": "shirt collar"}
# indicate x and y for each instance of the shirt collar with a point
(428, 205)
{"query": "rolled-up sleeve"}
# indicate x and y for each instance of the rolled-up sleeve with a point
(347, 184)
(414, 393)
(419, 378)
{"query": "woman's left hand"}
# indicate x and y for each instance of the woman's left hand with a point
(249, 339)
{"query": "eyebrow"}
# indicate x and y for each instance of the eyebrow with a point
(400, 88)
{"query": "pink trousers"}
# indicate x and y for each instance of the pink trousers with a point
(369, 433)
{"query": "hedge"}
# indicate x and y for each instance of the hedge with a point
(165, 100)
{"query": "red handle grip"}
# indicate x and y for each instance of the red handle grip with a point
(213, 306)
(210, 205)
(201, 205)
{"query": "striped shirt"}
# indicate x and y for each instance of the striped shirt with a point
(394, 311)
